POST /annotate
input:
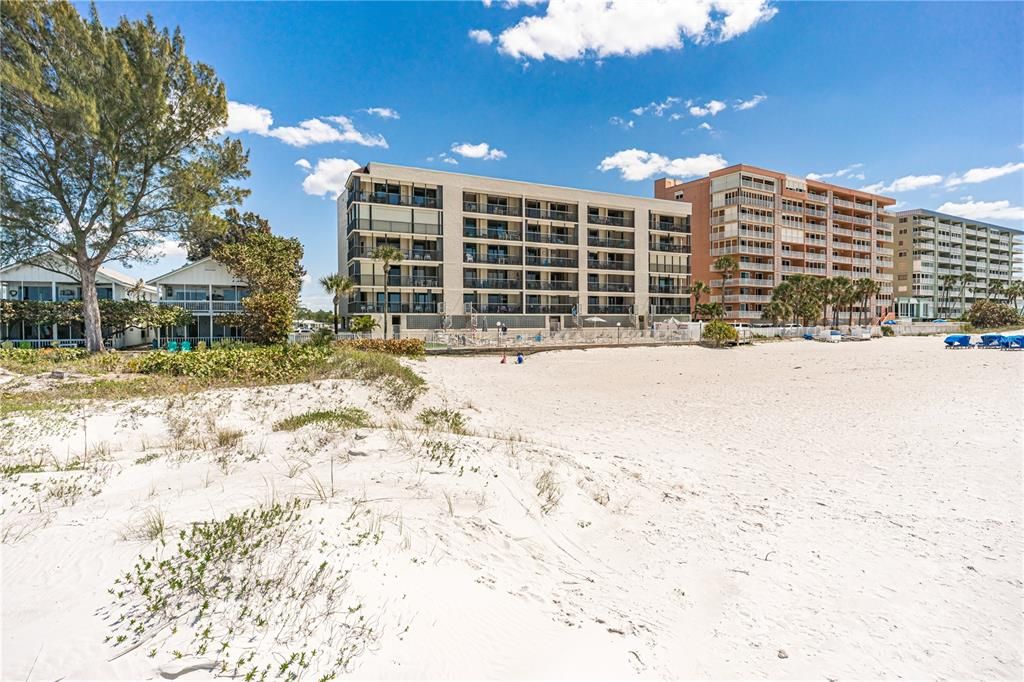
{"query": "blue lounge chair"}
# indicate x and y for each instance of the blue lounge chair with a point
(186, 346)
(959, 341)
(172, 346)
(1013, 342)
(990, 341)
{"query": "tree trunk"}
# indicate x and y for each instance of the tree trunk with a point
(91, 309)
(335, 315)
(386, 271)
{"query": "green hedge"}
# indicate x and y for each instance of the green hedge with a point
(242, 362)
(32, 357)
(409, 347)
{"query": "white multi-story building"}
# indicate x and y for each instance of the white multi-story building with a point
(58, 282)
(206, 289)
(479, 252)
(945, 263)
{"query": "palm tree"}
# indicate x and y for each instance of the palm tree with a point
(865, 288)
(728, 266)
(1013, 291)
(840, 292)
(777, 311)
(947, 284)
(825, 288)
(966, 280)
(338, 286)
(698, 288)
(388, 257)
(996, 289)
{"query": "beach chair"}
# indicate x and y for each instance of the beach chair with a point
(1013, 342)
(172, 346)
(186, 346)
(958, 341)
(990, 341)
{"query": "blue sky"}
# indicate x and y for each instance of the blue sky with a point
(920, 101)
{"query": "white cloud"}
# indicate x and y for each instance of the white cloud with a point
(249, 118)
(905, 184)
(303, 164)
(329, 177)
(477, 151)
(481, 36)
(636, 164)
(983, 210)
(578, 29)
(842, 172)
(976, 175)
(621, 122)
(743, 105)
(711, 109)
(705, 126)
(382, 112)
(169, 248)
(451, 160)
(657, 108)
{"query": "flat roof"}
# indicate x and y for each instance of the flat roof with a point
(928, 211)
(373, 165)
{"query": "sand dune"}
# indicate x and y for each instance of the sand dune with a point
(789, 510)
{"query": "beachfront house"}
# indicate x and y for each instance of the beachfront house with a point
(206, 289)
(57, 280)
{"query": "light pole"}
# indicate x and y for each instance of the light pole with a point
(618, 328)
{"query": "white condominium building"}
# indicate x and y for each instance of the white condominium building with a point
(945, 263)
(478, 252)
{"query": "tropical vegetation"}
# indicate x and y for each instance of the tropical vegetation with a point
(989, 314)
(388, 256)
(338, 286)
(718, 332)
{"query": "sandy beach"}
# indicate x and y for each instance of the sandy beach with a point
(791, 510)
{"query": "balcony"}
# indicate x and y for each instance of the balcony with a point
(357, 307)
(492, 258)
(596, 264)
(408, 281)
(672, 289)
(747, 298)
(204, 306)
(503, 235)
(394, 199)
(729, 250)
(817, 212)
(551, 285)
(842, 202)
(366, 225)
(490, 209)
(552, 238)
(594, 219)
(545, 214)
(669, 268)
(615, 287)
(610, 243)
(669, 247)
(618, 309)
(670, 227)
(552, 261)
(799, 269)
(764, 267)
(407, 254)
(491, 283)
(498, 308)
(746, 200)
(549, 308)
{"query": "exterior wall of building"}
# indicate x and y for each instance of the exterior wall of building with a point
(934, 253)
(478, 252)
(206, 289)
(777, 226)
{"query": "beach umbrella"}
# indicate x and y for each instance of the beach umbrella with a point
(594, 319)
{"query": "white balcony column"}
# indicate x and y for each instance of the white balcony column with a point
(53, 297)
(209, 304)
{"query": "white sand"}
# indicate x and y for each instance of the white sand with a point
(856, 505)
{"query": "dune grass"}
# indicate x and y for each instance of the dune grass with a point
(345, 417)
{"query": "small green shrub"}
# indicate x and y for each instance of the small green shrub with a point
(26, 357)
(444, 419)
(718, 332)
(362, 324)
(346, 418)
(321, 337)
(887, 330)
(408, 347)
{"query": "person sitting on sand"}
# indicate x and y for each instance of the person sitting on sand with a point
(519, 358)
(504, 358)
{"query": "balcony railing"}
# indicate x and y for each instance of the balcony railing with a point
(358, 307)
(610, 243)
(491, 209)
(491, 258)
(551, 285)
(204, 306)
(669, 227)
(619, 309)
(549, 308)
(546, 214)
(504, 235)
(609, 264)
(551, 238)
(498, 308)
(409, 281)
(609, 220)
(670, 268)
(393, 226)
(491, 283)
(610, 286)
(407, 254)
(668, 289)
(669, 247)
(394, 199)
(552, 261)
(728, 250)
